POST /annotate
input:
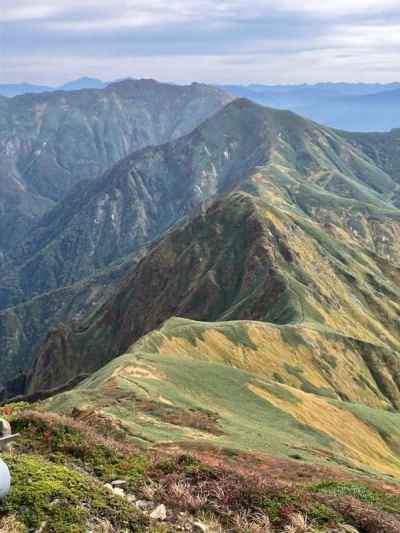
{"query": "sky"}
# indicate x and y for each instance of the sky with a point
(213, 41)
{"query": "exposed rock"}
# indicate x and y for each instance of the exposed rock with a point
(5, 428)
(144, 505)
(153, 189)
(159, 513)
(345, 528)
(118, 482)
(41, 528)
(118, 491)
(5, 431)
(50, 142)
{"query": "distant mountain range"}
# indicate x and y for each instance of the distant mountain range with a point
(15, 89)
(347, 106)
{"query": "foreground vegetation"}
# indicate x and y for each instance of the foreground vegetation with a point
(62, 469)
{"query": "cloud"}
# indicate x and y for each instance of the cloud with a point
(257, 41)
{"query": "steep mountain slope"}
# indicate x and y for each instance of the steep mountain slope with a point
(382, 148)
(304, 361)
(244, 259)
(152, 189)
(280, 244)
(316, 174)
(25, 325)
(51, 141)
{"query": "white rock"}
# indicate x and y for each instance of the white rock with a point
(131, 498)
(118, 491)
(115, 490)
(199, 526)
(159, 513)
(118, 482)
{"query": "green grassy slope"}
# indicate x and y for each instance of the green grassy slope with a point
(188, 384)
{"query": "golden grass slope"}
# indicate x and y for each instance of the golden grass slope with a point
(192, 383)
(359, 441)
(305, 357)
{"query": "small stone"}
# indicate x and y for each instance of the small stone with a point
(115, 490)
(131, 498)
(144, 505)
(5, 431)
(118, 491)
(159, 513)
(41, 528)
(118, 482)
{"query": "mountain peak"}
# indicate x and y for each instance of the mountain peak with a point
(82, 83)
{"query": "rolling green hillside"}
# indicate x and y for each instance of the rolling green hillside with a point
(190, 383)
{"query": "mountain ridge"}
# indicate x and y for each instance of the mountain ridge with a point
(51, 141)
(258, 310)
(296, 165)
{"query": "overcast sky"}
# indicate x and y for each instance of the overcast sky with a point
(227, 41)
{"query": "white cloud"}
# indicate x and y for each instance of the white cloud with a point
(337, 7)
(232, 40)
